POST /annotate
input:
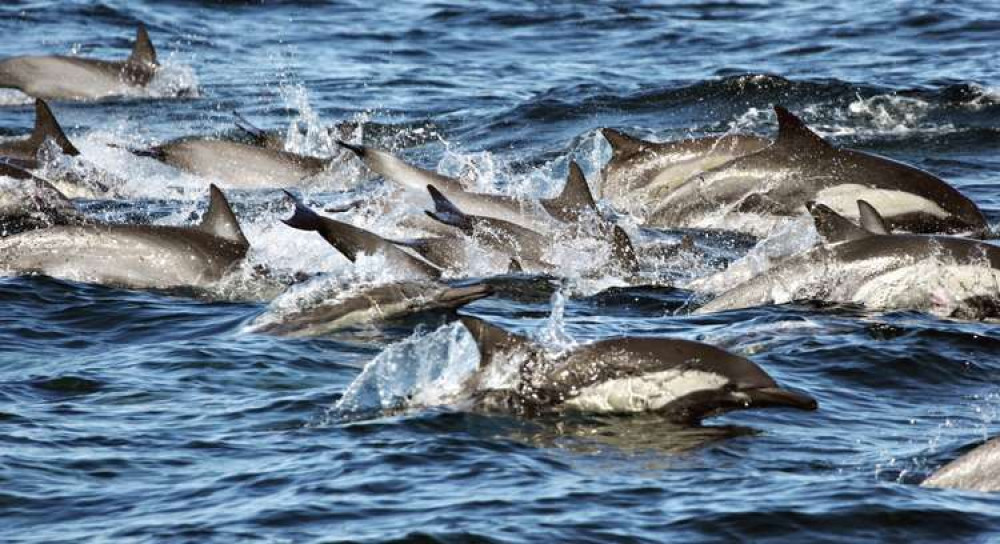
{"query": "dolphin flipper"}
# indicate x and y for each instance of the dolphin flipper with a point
(574, 198)
(832, 226)
(871, 220)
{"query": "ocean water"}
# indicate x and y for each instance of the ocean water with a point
(146, 417)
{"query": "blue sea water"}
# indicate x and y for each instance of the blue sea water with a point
(146, 417)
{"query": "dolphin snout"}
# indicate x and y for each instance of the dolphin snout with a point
(777, 397)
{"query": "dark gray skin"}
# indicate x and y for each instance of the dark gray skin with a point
(852, 257)
(33, 203)
(352, 241)
(73, 78)
(641, 173)
(977, 470)
(30, 154)
(801, 167)
(275, 139)
(716, 381)
(133, 256)
(372, 306)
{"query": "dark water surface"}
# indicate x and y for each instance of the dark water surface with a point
(131, 416)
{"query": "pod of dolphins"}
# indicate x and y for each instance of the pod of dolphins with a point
(886, 227)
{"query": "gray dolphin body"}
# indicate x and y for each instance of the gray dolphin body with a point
(370, 306)
(641, 173)
(74, 78)
(682, 380)
(977, 470)
(871, 267)
(28, 202)
(133, 256)
(801, 167)
(352, 241)
(237, 165)
(538, 215)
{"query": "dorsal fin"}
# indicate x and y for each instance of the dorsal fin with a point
(143, 52)
(574, 198)
(792, 132)
(832, 226)
(515, 267)
(448, 213)
(622, 145)
(47, 127)
(489, 338)
(220, 220)
(623, 251)
(871, 220)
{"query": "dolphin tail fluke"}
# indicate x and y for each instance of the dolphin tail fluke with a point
(220, 220)
(793, 132)
(446, 212)
(489, 338)
(143, 52)
(575, 196)
(871, 220)
(47, 127)
(303, 218)
(622, 145)
(832, 226)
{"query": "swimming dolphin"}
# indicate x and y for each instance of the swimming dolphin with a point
(133, 256)
(977, 470)
(74, 78)
(640, 172)
(871, 267)
(538, 215)
(368, 306)
(28, 202)
(275, 139)
(801, 167)
(351, 241)
(682, 380)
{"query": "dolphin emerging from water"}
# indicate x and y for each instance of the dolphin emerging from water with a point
(60, 77)
(133, 256)
(977, 470)
(684, 381)
(801, 167)
(28, 202)
(870, 266)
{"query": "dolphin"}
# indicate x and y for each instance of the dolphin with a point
(977, 470)
(29, 202)
(133, 256)
(368, 306)
(237, 165)
(74, 78)
(870, 266)
(275, 139)
(681, 380)
(640, 172)
(538, 215)
(801, 167)
(351, 241)
(30, 153)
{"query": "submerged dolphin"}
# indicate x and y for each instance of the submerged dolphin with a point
(74, 78)
(28, 202)
(537, 215)
(133, 256)
(872, 267)
(368, 306)
(640, 173)
(800, 167)
(682, 380)
(351, 241)
(977, 470)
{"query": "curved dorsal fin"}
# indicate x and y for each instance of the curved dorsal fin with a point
(489, 338)
(220, 220)
(623, 251)
(832, 226)
(622, 145)
(47, 127)
(515, 267)
(143, 52)
(792, 132)
(871, 220)
(575, 196)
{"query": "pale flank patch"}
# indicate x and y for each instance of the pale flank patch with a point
(843, 199)
(918, 286)
(646, 393)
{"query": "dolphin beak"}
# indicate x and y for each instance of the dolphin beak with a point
(463, 295)
(766, 397)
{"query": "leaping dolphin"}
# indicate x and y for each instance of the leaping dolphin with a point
(801, 167)
(867, 265)
(133, 256)
(684, 381)
(60, 77)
